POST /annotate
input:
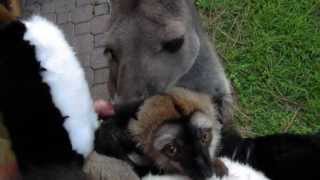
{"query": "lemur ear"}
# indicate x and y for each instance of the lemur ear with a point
(128, 110)
(224, 109)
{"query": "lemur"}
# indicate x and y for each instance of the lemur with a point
(167, 133)
(174, 133)
(45, 100)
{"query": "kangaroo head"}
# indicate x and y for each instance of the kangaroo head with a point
(151, 45)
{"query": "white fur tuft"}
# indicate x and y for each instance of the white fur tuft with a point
(201, 120)
(65, 77)
(237, 171)
(164, 177)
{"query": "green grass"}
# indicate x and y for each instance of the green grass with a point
(271, 51)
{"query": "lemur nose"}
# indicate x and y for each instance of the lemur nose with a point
(207, 172)
(205, 168)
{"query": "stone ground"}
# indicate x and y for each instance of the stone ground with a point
(84, 24)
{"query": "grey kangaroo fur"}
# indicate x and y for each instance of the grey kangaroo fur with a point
(153, 45)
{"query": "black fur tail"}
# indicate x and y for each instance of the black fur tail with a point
(280, 156)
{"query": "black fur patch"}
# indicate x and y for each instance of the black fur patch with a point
(34, 123)
(279, 157)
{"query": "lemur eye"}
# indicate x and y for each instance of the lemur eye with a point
(173, 45)
(170, 150)
(205, 137)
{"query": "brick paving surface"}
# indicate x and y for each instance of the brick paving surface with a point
(84, 24)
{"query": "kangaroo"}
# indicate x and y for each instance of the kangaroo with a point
(153, 45)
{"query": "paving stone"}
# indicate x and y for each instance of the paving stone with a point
(82, 28)
(83, 2)
(82, 14)
(48, 7)
(68, 29)
(100, 40)
(64, 5)
(100, 1)
(100, 9)
(84, 59)
(89, 75)
(30, 2)
(83, 43)
(99, 24)
(101, 75)
(108, 7)
(98, 60)
(63, 17)
(100, 91)
(33, 9)
(84, 23)
(107, 4)
(27, 14)
(45, 1)
(51, 17)
(23, 3)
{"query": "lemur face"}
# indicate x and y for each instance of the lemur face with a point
(184, 146)
(179, 132)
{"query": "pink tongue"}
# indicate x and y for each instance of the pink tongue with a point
(103, 108)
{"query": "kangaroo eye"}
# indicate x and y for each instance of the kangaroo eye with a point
(170, 150)
(173, 45)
